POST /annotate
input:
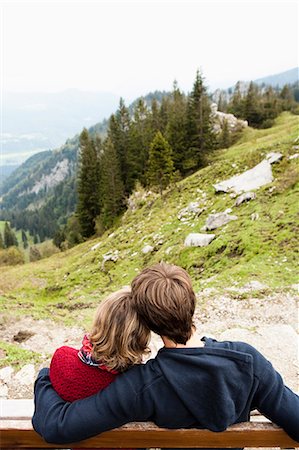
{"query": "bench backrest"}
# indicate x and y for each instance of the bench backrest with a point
(16, 432)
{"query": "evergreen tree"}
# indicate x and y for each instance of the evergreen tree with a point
(199, 129)
(24, 239)
(112, 185)
(252, 107)
(160, 165)
(9, 237)
(225, 138)
(287, 98)
(1, 241)
(119, 128)
(88, 207)
(222, 102)
(236, 105)
(176, 128)
(140, 139)
(59, 238)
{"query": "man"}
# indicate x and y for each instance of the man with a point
(191, 382)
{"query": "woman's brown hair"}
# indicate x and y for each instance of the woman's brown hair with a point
(118, 336)
(165, 301)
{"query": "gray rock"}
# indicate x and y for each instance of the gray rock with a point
(198, 240)
(25, 376)
(218, 119)
(6, 374)
(251, 179)
(110, 256)
(247, 196)
(192, 210)
(294, 156)
(147, 249)
(218, 220)
(273, 157)
(94, 247)
(254, 216)
(3, 391)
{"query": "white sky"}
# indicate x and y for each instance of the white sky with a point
(131, 48)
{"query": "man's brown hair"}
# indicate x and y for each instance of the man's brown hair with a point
(165, 301)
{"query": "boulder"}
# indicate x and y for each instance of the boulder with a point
(25, 376)
(198, 240)
(6, 374)
(251, 179)
(94, 247)
(147, 249)
(273, 157)
(218, 119)
(246, 197)
(192, 210)
(111, 256)
(218, 220)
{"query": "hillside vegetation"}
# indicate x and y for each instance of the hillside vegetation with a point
(67, 286)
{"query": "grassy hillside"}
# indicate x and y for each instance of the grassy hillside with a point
(67, 286)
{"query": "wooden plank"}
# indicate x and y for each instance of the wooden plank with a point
(16, 408)
(19, 434)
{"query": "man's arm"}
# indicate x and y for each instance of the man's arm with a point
(62, 422)
(273, 399)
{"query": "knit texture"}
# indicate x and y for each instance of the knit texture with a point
(74, 380)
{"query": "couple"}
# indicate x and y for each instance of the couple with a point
(191, 383)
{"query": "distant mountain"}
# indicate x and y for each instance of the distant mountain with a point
(45, 183)
(280, 79)
(33, 122)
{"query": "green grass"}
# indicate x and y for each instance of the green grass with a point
(68, 286)
(16, 356)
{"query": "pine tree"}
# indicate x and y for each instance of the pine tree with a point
(199, 129)
(1, 241)
(236, 105)
(112, 185)
(119, 128)
(9, 237)
(252, 107)
(88, 207)
(176, 128)
(225, 138)
(24, 239)
(140, 138)
(160, 165)
(287, 98)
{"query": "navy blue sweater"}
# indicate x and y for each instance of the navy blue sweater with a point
(210, 387)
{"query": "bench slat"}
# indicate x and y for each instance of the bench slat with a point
(19, 434)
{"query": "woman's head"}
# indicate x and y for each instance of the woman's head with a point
(118, 337)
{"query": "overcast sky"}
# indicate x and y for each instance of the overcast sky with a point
(131, 48)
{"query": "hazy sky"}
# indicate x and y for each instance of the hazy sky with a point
(133, 47)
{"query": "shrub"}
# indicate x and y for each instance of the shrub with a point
(11, 256)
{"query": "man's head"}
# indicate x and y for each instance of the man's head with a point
(165, 301)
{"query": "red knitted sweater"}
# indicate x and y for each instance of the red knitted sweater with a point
(72, 379)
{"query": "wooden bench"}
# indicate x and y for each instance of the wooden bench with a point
(16, 432)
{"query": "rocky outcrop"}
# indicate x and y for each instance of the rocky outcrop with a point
(58, 174)
(219, 118)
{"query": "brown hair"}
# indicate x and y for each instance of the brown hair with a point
(118, 337)
(164, 299)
